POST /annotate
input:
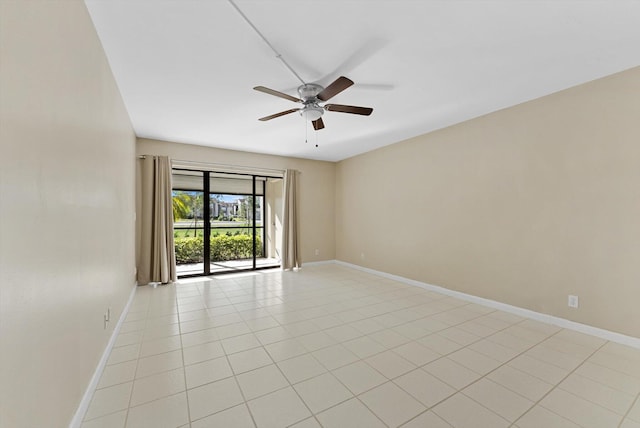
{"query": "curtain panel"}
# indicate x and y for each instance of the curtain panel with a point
(157, 254)
(290, 237)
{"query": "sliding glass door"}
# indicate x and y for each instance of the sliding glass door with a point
(220, 221)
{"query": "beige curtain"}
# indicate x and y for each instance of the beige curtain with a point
(157, 255)
(290, 238)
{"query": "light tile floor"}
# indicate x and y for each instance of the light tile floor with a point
(330, 346)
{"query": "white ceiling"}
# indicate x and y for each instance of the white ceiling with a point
(186, 68)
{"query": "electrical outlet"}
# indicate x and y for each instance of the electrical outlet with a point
(317, 252)
(107, 317)
(573, 301)
(362, 256)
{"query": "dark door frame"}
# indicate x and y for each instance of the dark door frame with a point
(206, 214)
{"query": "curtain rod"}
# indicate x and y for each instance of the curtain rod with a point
(227, 167)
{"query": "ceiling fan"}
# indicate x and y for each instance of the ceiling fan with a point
(311, 95)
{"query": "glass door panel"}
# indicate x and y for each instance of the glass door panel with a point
(189, 222)
(231, 233)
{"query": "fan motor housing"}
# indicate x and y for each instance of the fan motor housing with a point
(309, 91)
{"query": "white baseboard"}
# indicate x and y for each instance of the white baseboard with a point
(526, 313)
(88, 394)
(319, 263)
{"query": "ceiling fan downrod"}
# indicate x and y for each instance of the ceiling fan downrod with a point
(278, 54)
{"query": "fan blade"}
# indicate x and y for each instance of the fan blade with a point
(318, 124)
(365, 111)
(282, 113)
(338, 85)
(276, 93)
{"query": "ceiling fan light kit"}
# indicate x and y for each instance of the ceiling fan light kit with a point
(311, 112)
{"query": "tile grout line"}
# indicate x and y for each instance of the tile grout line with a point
(232, 375)
(613, 369)
(599, 383)
(147, 319)
(504, 364)
(135, 372)
(558, 383)
(391, 380)
(184, 368)
(289, 385)
(477, 380)
(626, 415)
(604, 384)
(244, 398)
(310, 353)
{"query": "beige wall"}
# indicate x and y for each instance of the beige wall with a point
(316, 187)
(523, 206)
(66, 209)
